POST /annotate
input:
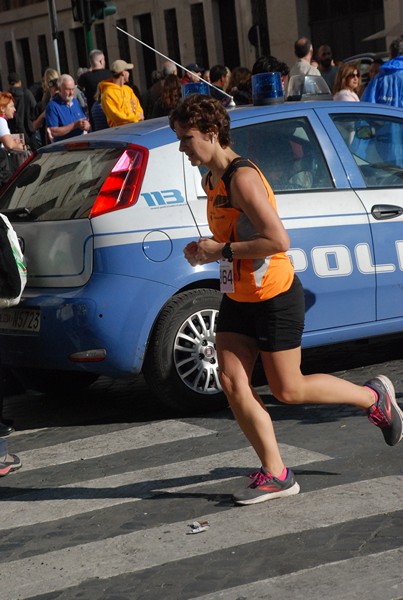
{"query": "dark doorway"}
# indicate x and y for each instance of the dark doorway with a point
(344, 24)
(171, 28)
(26, 56)
(199, 34)
(147, 36)
(259, 17)
(80, 41)
(229, 33)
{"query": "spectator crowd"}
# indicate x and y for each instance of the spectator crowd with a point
(58, 107)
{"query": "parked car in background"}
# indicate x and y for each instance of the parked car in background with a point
(103, 220)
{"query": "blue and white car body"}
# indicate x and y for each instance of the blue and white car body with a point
(109, 292)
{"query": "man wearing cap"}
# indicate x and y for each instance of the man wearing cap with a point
(191, 74)
(25, 104)
(120, 104)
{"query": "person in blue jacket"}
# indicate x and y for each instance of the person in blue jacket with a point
(387, 86)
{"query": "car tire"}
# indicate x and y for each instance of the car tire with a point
(181, 362)
(54, 382)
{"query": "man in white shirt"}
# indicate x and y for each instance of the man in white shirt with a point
(303, 51)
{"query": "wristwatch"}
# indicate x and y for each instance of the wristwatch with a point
(227, 252)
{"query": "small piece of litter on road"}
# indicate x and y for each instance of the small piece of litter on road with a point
(198, 526)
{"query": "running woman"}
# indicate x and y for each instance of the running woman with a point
(262, 311)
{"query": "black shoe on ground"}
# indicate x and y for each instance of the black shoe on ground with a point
(5, 429)
(385, 413)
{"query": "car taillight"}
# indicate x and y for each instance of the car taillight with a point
(122, 186)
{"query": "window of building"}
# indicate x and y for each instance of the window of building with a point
(344, 24)
(171, 29)
(259, 17)
(43, 52)
(123, 41)
(229, 32)
(124, 47)
(8, 46)
(199, 35)
(144, 31)
(61, 44)
(23, 45)
(80, 47)
(101, 40)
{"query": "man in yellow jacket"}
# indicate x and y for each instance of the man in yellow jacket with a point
(120, 104)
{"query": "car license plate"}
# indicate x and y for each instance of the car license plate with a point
(20, 319)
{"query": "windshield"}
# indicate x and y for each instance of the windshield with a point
(59, 185)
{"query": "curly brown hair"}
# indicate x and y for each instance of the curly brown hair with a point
(171, 92)
(204, 113)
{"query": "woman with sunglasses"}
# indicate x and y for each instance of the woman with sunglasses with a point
(348, 81)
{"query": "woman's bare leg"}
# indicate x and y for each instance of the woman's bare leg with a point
(236, 357)
(288, 384)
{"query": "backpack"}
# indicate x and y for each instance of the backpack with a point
(13, 272)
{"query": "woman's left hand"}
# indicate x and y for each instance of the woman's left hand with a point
(204, 251)
(208, 250)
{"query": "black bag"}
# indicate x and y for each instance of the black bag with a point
(5, 167)
(17, 157)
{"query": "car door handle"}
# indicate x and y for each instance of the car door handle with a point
(381, 212)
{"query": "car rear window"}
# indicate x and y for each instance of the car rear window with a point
(59, 185)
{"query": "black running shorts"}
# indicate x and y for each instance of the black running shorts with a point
(276, 324)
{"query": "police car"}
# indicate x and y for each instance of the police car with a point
(103, 220)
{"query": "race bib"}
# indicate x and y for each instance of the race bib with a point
(227, 276)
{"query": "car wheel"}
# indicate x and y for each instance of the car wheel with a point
(181, 362)
(49, 382)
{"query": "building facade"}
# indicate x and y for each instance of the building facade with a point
(37, 34)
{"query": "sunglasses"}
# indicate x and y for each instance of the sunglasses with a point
(354, 75)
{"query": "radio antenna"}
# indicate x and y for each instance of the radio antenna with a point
(231, 104)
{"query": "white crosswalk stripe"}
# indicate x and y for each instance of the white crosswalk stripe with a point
(120, 554)
(97, 494)
(108, 443)
(334, 581)
(73, 564)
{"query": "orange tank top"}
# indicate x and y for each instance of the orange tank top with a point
(255, 279)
